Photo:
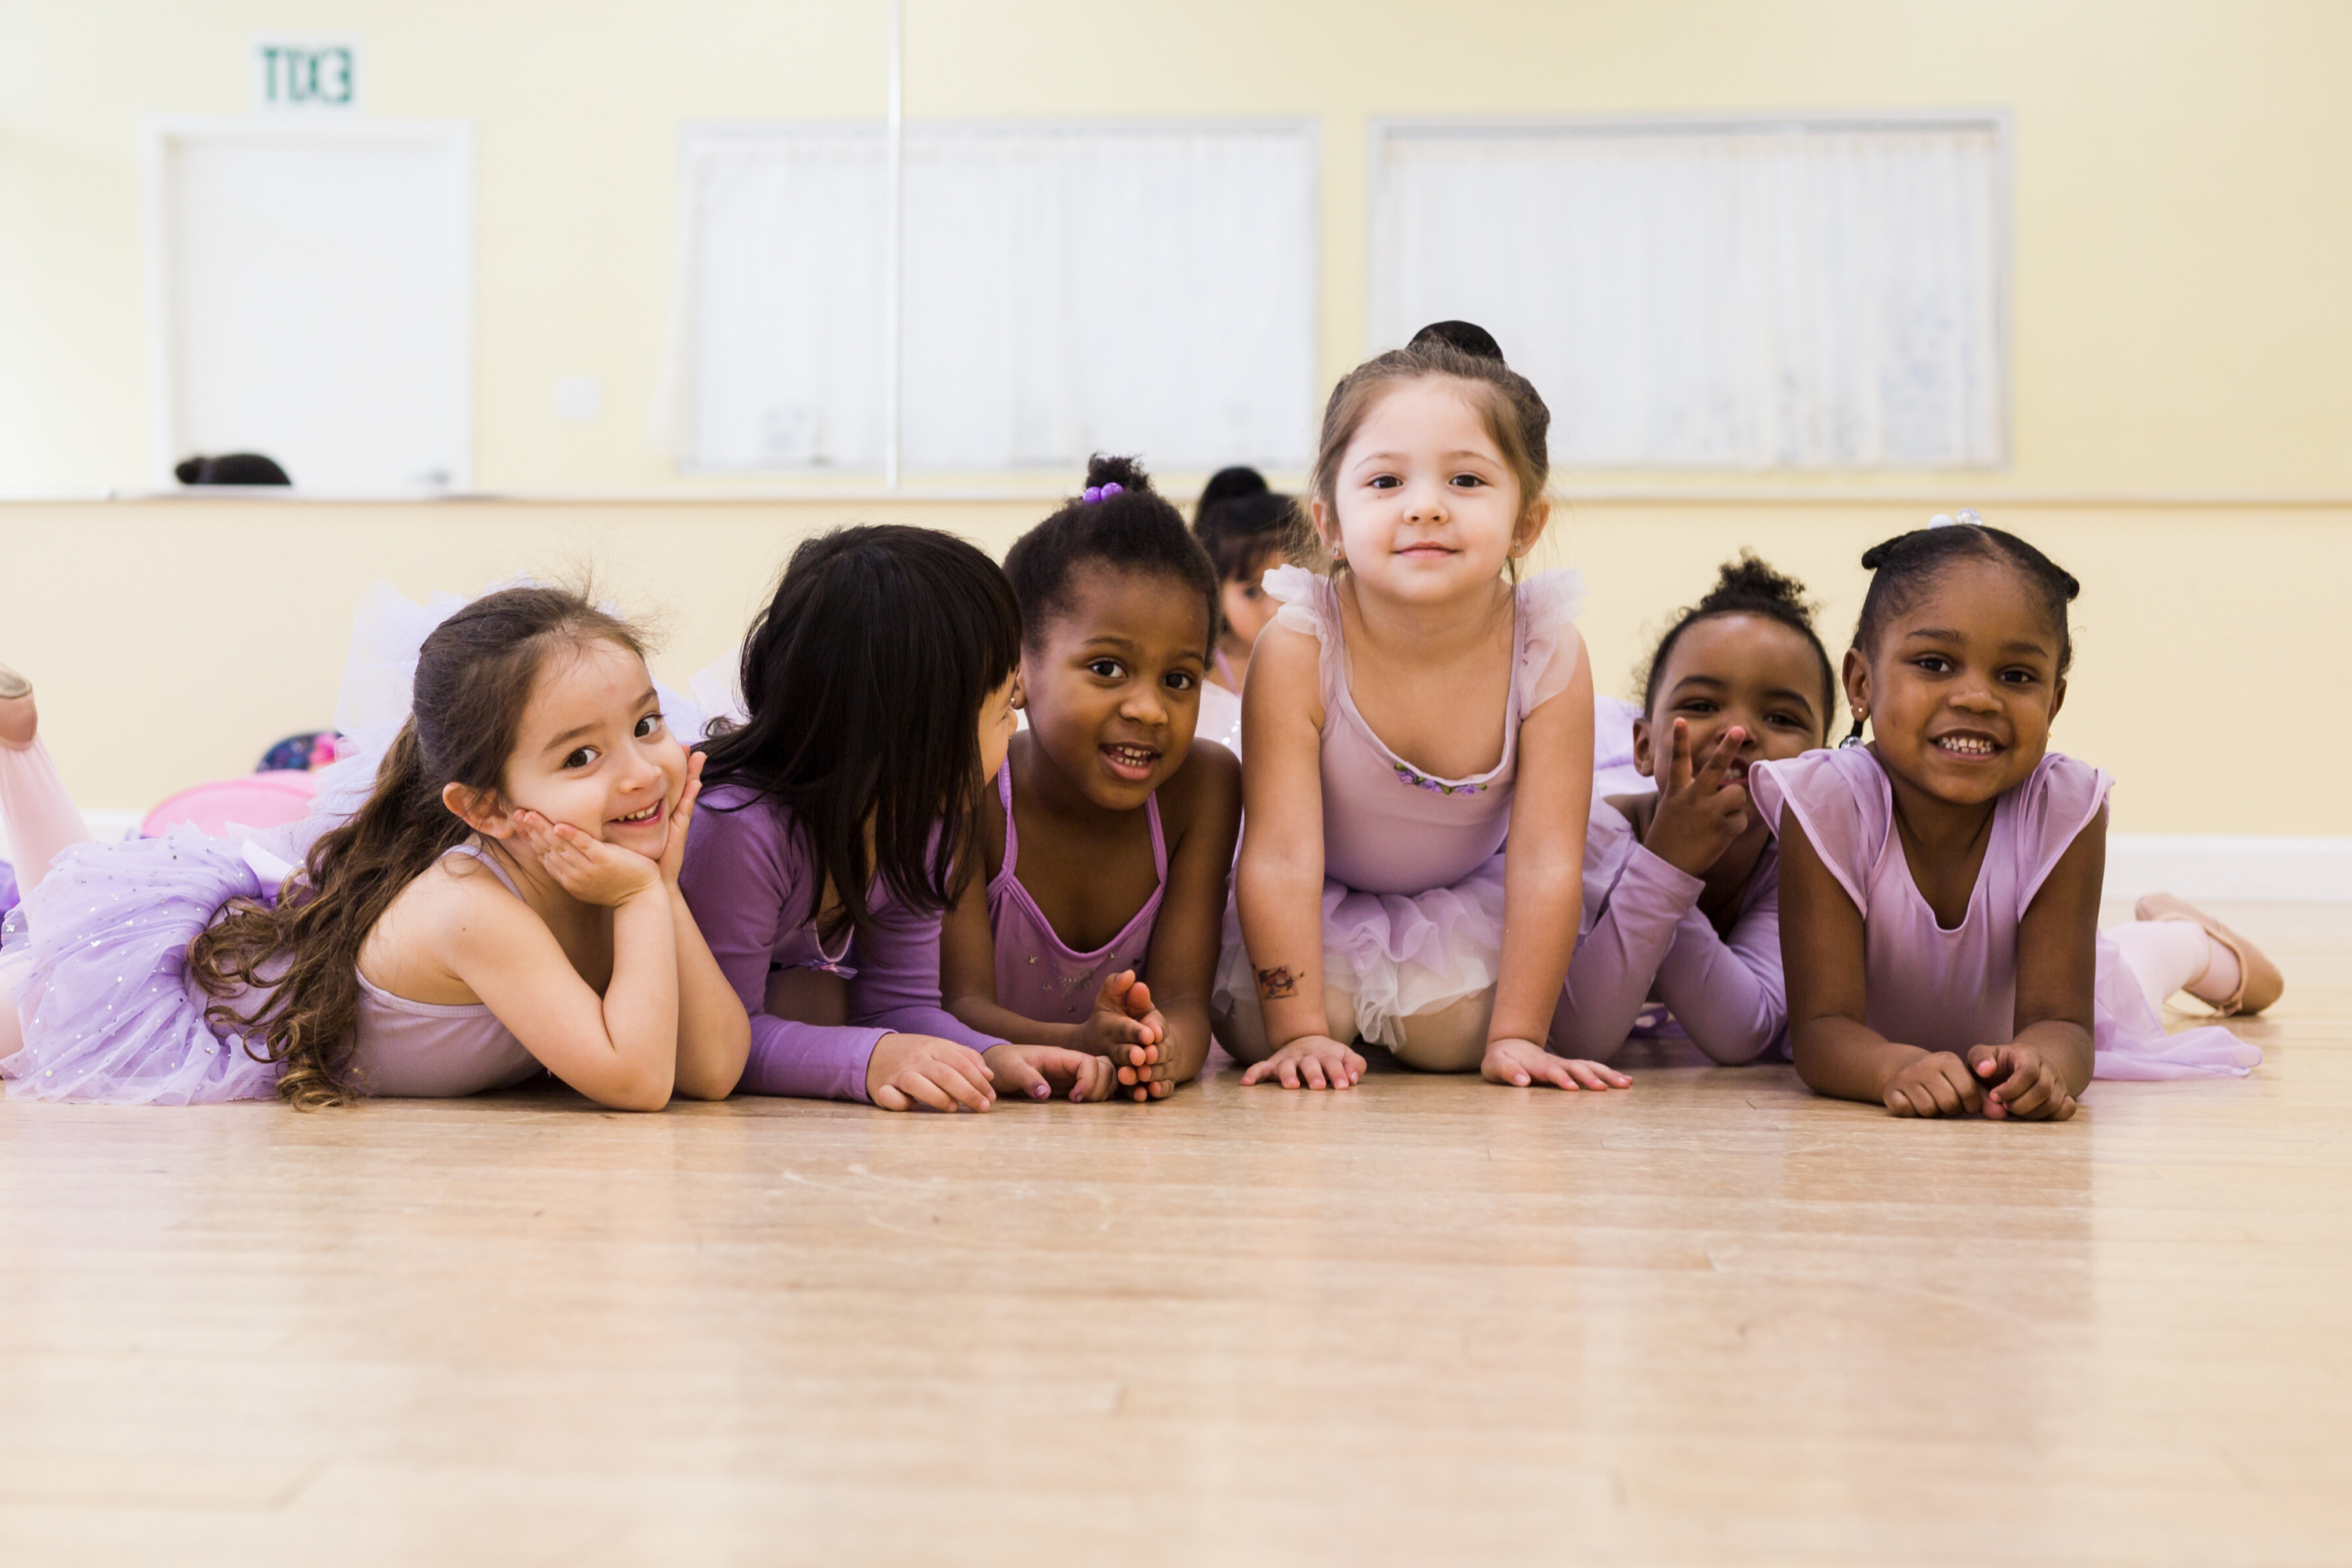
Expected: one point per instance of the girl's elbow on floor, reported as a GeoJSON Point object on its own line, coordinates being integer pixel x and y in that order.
{"type": "Point", "coordinates": [649, 1091]}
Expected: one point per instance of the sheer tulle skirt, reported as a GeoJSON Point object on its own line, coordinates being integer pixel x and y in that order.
{"type": "Point", "coordinates": [1396, 954]}
{"type": "Point", "coordinates": [95, 961]}
{"type": "Point", "coordinates": [2131, 1040]}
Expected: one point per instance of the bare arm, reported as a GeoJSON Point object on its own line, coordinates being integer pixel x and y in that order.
{"type": "Point", "coordinates": [1838, 1054]}
{"type": "Point", "coordinates": [714, 1032]}
{"type": "Point", "coordinates": [2041, 1071]}
{"type": "Point", "coordinates": [619, 1050]}
{"type": "Point", "coordinates": [1279, 878]}
{"type": "Point", "coordinates": [1205, 797]}
{"type": "Point", "coordinates": [1543, 892]}
{"type": "Point", "coordinates": [1543, 861]}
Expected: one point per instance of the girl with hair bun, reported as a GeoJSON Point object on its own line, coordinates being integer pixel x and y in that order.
{"type": "Point", "coordinates": [877, 688]}
{"type": "Point", "coordinates": [1090, 916]}
{"type": "Point", "coordinates": [1940, 885]}
{"type": "Point", "coordinates": [1245, 528]}
{"type": "Point", "coordinates": [1408, 717]}
{"type": "Point", "coordinates": [1682, 885]}
{"type": "Point", "coordinates": [505, 901]}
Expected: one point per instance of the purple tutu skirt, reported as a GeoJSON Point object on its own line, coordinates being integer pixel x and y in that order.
{"type": "Point", "coordinates": [1395, 954]}
{"type": "Point", "coordinates": [95, 960]}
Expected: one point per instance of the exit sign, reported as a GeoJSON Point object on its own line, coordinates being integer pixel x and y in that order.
{"type": "Point", "coordinates": [305, 74]}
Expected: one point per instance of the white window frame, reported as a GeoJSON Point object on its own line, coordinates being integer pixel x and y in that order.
{"type": "Point", "coordinates": [677, 368]}
{"type": "Point", "coordinates": [158, 135]}
{"type": "Point", "coordinates": [1383, 129]}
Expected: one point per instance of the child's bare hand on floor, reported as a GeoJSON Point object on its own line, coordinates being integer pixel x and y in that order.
{"type": "Point", "coordinates": [1524, 1063]}
{"type": "Point", "coordinates": [910, 1070]}
{"type": "Point", "coordinates": [1310, 1061]}
{"type": "Point", "coordinates": [2020, 1082]}
{"type": "Point", "coordinates": [1037, 1072]}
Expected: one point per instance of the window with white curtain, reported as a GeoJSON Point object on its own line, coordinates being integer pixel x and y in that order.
{"type": "Point", "coordinates": [1806, 295]}
{"type": "Point", "coordinates": [1067, 288]}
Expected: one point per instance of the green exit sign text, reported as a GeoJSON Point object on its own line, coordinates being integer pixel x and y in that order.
{"type": "Point", "coordinates": [305, 74]}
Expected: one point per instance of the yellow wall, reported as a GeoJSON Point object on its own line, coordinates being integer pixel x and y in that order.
{"type": "Point", "coordinates": [2193, 631]}
{"type": "Point", "coordinates": [2183, 226]}
{"type": "Point", "coordinates": [2184, 203]}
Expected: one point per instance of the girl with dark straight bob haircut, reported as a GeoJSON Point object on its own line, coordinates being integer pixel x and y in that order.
{"type": "Point", "coordinates": [878, 685]}
{"type": "Point", "coordinates": [864, 620]}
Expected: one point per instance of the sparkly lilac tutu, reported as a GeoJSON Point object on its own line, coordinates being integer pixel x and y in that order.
{"type": "Point", "coordinates": [1397, 954]}
{"type": "Point", "coordinates": [95, 960]}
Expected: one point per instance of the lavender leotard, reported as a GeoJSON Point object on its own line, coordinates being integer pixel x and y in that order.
{"type": "Point", "coordinates": [1413, 897]}
{"type": "Point", "coordinates": [427, 1050]}
{"type": "Point", "coordinates": [1949, 989]}
{"type": "Point", "coordinates": [97, 955]}
{"type": "Point", "coordinates": [749, 876]}
{"type": "Point", "coordinates": [1645, 937]}
{"type": "Point", "coordinates": [1039, 976]}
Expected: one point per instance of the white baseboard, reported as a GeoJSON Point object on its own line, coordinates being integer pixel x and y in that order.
{"type": "Point", "coordinates": [2222, 867]}
{"type": "Point", "coordinates": [2229, 868]}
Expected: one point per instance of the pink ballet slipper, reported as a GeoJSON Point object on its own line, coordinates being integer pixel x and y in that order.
{"type": "Point", "coordinates": [2260, 983]}
{"type": "Point", "coordinates": [19, 721]}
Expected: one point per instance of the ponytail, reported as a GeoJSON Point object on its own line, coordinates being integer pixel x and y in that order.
{"type": "Point", "coordinates": [322, 916]}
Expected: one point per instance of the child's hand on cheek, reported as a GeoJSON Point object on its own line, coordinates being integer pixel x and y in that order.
{"type": "Point", "coordinates": [1700, 811]}
{"type": "Point", "coordinates": [589, 869]}
{"type": "Point", "coordinates": [1937, 1084]}
{"type": "Point", "coordinates": [2021, 1082]}
{"type": "Point", "coordinates": [681, 818]}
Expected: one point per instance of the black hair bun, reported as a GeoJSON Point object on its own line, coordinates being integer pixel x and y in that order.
{"type": "Point", "coordinates": [1875, 557]}
{"type": "Point", "coordinates": [231, 468]}
{"type": "Point", "coordinates": [1127, 473]}
{"type": "Point", "coordinates": [1232, 484]}
{"type": "Point", "coordinates": [1747, 582]}
{"type": "Point", "coordinates": [1467, 336]}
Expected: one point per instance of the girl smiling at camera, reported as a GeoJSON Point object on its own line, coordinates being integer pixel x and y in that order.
{"type": "Point", "coordinates": [1940, 886]}
{"type": "Point", "coordinates": [1406, 718]}
{"type": "Point", "coordinates": [1091, 919]}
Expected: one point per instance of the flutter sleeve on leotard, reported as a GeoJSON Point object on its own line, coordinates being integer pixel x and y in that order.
{"type": "Point", "coordinates": [2054, 806]}
{"type": "Point", "coordinates": [1550, 648]}
{"type": "Point", "coordinates": [1310, 607]}
{"type": "Point", "coordinates": [746, 877]}
{"type": "Point", "coordinates": [1646, 932]}
{"type": "Point", "coordinates": [1839, 798]}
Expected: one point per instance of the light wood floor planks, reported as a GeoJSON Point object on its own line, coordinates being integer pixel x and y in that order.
{"type": "Point", "coordinates": [1712, 1321]}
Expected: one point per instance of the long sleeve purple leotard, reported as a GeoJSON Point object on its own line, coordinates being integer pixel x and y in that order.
{"type": "Point", "coordinates": [1644, 936]}
{"type": "Point", "coordinates": [748, 877]}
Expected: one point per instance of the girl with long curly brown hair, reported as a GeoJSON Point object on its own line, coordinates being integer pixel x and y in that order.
{"type": "Point", "coordinates": [505, 901]}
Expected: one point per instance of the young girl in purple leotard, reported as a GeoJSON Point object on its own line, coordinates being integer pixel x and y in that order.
{"type": "Point", "coordinates": [505, 900]}
{"type": "Point", "coordinates": [1406, 718]}
{"type": "Point", "coordinates": [1682, 885]}
{"type": "Point", "coordinates": [1091, 916]}
{"type": "Point", "coordinates": [1940, 887]}
{"type": "Point", "coordinates": [878, 690]}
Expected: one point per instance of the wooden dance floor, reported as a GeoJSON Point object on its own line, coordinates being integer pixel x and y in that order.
{"type": "Point", "coordinates": [1712, 1321]}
